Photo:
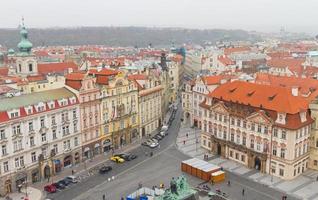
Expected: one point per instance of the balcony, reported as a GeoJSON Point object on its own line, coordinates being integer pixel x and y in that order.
{"type": "Point", "coordinates": [31, 132]}
{"type": "Point", "coordinates": [65, 121]}
{"type": "Point", "coordinates": [43, 129]}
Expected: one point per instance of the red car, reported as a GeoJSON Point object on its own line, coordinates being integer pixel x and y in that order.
{"type": "Point", "coordinates": [50, 188]}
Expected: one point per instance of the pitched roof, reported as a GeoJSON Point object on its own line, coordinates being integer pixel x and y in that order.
{"type": "Point", "coordinates": [104, 71]}
{"type": "Point", "coordinates": [137, 77]}
{"type": "Point", "coordinates": [214, 80]}
{"type": "Point", "coordinates": [4, 71]}
{"type": "Point", "coordinates": [75, 76]}
{"type": "Point", "coordinates": [231, 50]}
{"type": "Point", "coordinates": [226, 60]}
{"type": "Point", "coordinates": [282, 63]}
{"type": "Point", "coordinates": [34, 98]}
{"type": "Point", "coordinates": [268, 97]}
{"type": "Point", "coordinates": [46, 68]}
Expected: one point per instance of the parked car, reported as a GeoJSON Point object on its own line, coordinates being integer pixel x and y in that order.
{"type": "Point", "coordinates": [163, 133]}
{"type": "Point", "coordinates": [158, 137]}
{"type": "Point", "coordinates": [72, 179]}
{"type": "Point", "coordinates": [164, 128]}
{"type": "Point", "coordinates": [154, 144]}
{"type": "Point", "coordinates": [117, 159]}
{"type": "Point", "coordinates": [50, 188]}
{"type": "Point", "coordinates": [64, 182]}
{"type": "Point", "coordinates": [154, 140]}
{"type": "Point", "coordinates": [127, 156]}
{"type": "Point", "coordinates": [59, 186]}
{"type": "Point", "coordinates": [105, 169]}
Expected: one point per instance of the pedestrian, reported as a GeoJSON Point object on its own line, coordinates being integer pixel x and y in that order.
{"type": "Point", "coordinates": [183, 142]}
{"type": "Point", "coordinates": [317, 178]}
{"type": "Point", "coordinates": [243, 192]}
{"type": "Point", "coordinates": [122, 198]}
{"type": "Point", "coordinates": [48, 179]}
{"type": "Point", "coordinates": [153, 187]}
{"type": "Point", "coordinates": [72, 172]}
{"type": "Point", "coordinates": [229, 183]}
{"type": "Point", "coordinates": [187, 135]}
{"type": "Point", "coordinates": [151, 154]}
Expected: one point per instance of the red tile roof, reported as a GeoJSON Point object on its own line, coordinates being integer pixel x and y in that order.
{"type": "Point", "coordinates": [214, 80]}
{"type": "Point", "coordinates": [268, 97]}
{"type": "Point", "coordinates": [137, 77]}
{"type": "Point", "coordinates": [4, 71]}
{"type": "Point", "coordinates": [75, 76]}
{"type": "Point", "coordinates": [231, 50]}
{"type": "Point", "coordinates": [36, 78]}
{"type": "Point", "coordinates": [226, 60]}
{"type": "Point", "coordinates": [46, 68]}
{"type": "Point", "coordinates": [282, 63]}
{"type": "Point", "coordinates": [104, 72]}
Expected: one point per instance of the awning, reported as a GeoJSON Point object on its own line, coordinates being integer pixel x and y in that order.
{"type": "Point", "coordinates": [57, 162]}
{"type": "Point", "coordinates": [107, 143]}
{"type": "Point", "coordinates": [96, 145]}
{"type": "Point", "coordinates": [86, 149]}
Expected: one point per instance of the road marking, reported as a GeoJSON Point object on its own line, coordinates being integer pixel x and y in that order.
{"type": "Point", "coordinates": [91, 191]}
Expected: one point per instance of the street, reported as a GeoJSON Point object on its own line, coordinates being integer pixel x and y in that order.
{"type": "Point", "coordinates": [150, 171]}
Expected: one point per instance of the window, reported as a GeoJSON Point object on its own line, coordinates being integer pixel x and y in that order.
{"type": "Point", "coordinates": [55, 149]}
{"type": "Point", "coordinates": [2, 134]}
{"type": "Point", "coordinates": [44, 151]}
{"type": "Point", "coordinates": [244, 124]}
{"type": "Point", "coordinates": [30, 126]}
{"type": "Point", "coordinates": [16, 130]}
{"type": "Point", "coordinates": [259, 128]}
{"type": "Point", "coordinates": [65, 130]}
{"type": "Point", "coordinates": [32, 141]}
{"type": "Point", "coordinates": [275, 132]}
{"type": "Point", "coordinates": [315, 162]}
{"type": "Point", "coordinates": [282, 153]}
{"type": "Point", "coordinates": [265, 129]}
{"type": "Point", "coordinates": [75, 141]}
{"type": "Point", "coordinates": [238, 122]}
{"type": "Point", "coordinates": [274, 150]}
{"type": "Point", "coordinates": [232, 121]}
{"type": "Point", "coordinates": [236, 156]}
{"type": "Point", "coordinates": [122, 124]}
{"type": "Point", "coordinates": [30, 67]}
{"type": "Point", "coordinates": [14, 114]}
{"type": "Point", "coordinates": [4, 150]}
{"type": "Point", "coordinates": [242, 158]}
{"type": "Point", "coordinates": [258, 146]}
{"type": "Point", "coordinates": [43, 137]}
{"type": "Point", "coordinates": [75, 127]}
{"type": "Point", "coordinates": [134, 119]}
{"type": "Point", "coordinates": [232, 137]}
{"type": "Point", "coordinates": [74, 114]}
{"type": "Point", "coordinates": [54, 134]}
{"type": "Point", "coordinates": [97, 133]}
{"type": "Point", "coordinates": [244, 141]}
{"type": "Point", "coordinates": [53, 120]}
{"type": "Point", "coordinates": [283, 134]}
{"type": "Point", "coordinates": [281, 172]}
{"type": "Point", "coordinates": [67, 144]}
{"type": "Point", "coordinates": [5, 166]}
{"type": "Point", "coordinates": [238, 139]}
{"type": "Point", "coordinates": [231, 153]}
{"type": "Point", "coordinates": [16, 162]}
{"type": "Point", "coordinates": [33, 157]}
{"type": "Point", "coordinates": [252, 143]}
{"type": "Point", "coordinates": [42, 123]}
{"type": "Point", "coordinates": [253, 127]}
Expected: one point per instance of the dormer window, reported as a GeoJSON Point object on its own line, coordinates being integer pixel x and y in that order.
{"type": "Point", "coordinates": [14, 114]}
{"type": "Point", "coordinates": [303, 117]}
{"type": "Point", "coordinates": [63, 102]}
{"type": "Point", "coordinates": [51, 105]}
{"type": "Point", "coordinates": [73, 100]}
{"type": "Point", "coordinates": [281, 118]}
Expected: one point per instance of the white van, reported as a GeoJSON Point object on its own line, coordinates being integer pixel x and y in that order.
{"type": "Point", "coordinates": [164, 128]}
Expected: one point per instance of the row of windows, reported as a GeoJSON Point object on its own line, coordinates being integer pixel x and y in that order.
{"type": "Point", "coordinates": [19, 161]}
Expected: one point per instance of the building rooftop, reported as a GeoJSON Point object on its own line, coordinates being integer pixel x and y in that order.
{"type": "Point", "coordinates": [34, 98]}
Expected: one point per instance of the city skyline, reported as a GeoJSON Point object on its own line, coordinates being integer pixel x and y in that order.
{"type": "Point", "coordinates": [263, 16]}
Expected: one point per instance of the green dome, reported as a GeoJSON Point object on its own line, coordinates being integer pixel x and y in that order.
{"type": "Point", "coordinates": [24, 45]}
{"type": "Point", "coordinates": [10, 51]}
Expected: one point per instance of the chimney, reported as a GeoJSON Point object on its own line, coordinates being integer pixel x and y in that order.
{"type": "Point", "coordinates": [295, 91]}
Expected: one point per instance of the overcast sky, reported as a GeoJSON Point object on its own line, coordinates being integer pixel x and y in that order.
{"type": "Point", "coordinates": [260, 15]}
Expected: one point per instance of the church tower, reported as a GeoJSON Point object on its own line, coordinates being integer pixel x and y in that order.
{"type": "Point", "coordinates": [26, 63]}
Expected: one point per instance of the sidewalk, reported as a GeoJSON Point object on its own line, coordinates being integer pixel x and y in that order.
{"type": "Point", "coordinates": [303, 187]}
{"type": "Point", "coordinates": [33, 194]}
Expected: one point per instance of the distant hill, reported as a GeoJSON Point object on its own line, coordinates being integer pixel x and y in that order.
{"type": "Point", "coordinates": [121, 36]}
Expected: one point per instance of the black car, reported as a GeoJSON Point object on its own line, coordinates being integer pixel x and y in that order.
{"type": "Point", "coordinates": [64, 182]}
{"type": "Point", "coordinates": [158, 137]}
{"type": "Point", "coordinates": [126, 156]}
{"type": "Point", "coordinates": [105, 169]}
{"type": "Point", "coordinates": [59, 186]}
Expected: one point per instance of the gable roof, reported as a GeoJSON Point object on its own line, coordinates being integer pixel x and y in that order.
{"type": "Point", "coordinates": [46, 68]}
{"type": "Point", "coordinates": [268, 97]}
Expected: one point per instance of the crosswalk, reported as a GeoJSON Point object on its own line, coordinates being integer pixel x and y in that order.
{"type": "Point", "coordinates": [304, 186]}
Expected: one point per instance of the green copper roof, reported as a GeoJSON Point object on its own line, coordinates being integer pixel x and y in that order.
{"type": "Point", "coordinates": [24, 45]}
{"type": "Point", "coordinates": [10, 51]}
{"type": "Point", "coordinates": [34, 98]}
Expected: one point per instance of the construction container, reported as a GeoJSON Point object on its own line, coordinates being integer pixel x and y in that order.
{"type": "Point", "coordinates": [199, 168]}
{"type": "Point", "coordinates": [218, 176]}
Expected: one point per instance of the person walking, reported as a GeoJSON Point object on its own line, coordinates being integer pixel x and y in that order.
{"type": "Point", "coordinates": [187, 135]}
{"type": "Point", "coordinates": [243, 192]}
{"type": "Point", "coordinates": [229, 183]}
{"type": "Point", "coordinates": [183, 142]}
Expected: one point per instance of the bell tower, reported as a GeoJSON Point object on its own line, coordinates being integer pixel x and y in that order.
{"type": "Point", "coordinates": [26, 63]}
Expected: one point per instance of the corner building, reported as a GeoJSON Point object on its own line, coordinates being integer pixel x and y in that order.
{"type": "Point", "coordinates": [260, 126]}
